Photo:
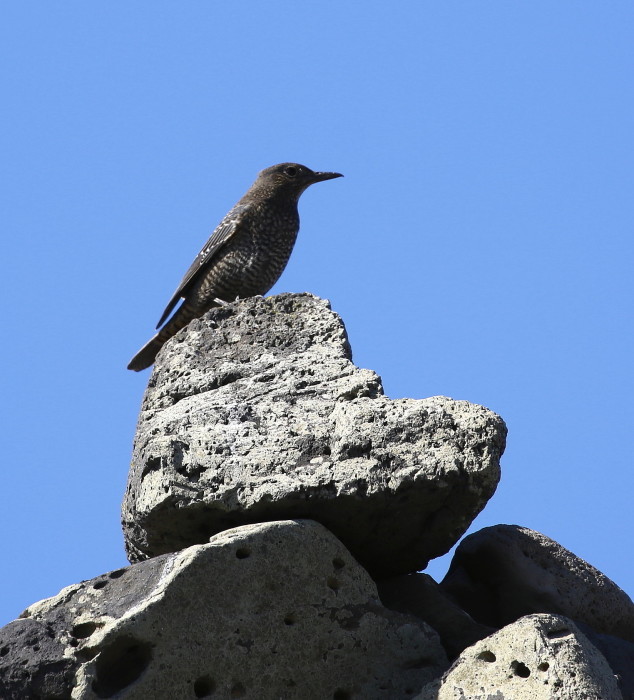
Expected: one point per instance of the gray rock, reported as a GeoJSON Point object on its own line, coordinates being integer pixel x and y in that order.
{"type": "Point", "coordinates": [503, 572]}
{"type": "Point", "coordinates": [539, 657]}
{"type": "Point", "coordinates": [420, 595]}
{"type": "Point", "coordinates": [32, 662]}
{"type": "Point", "coordinates": [619, 654]}
{"type": "Point", "coordinates": [255, 412]}
{"type": "Point", "coordinates": [276, 610]}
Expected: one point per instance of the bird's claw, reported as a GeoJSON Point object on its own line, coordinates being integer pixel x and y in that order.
{"type": "Point", "coordinates": [222, 302]}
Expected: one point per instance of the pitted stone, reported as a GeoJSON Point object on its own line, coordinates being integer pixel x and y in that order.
{"type": "Point", "coordinates": [276, 610]}
{"type": "Point", "coordinates": [255, 412]}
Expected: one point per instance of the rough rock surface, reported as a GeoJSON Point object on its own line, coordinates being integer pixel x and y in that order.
{"type": "Point", "coordinates": [277, 610]}
{"type": "Point", "coordinates": [539, 657]}
{"type": "Point", "coordinates": [504, 572]}
{"type": "Point", "coordinates": [255, 412]}
{"type": "Point", "coordinates": [32, 662]}
{"type": "Point", "coordinates": [420, 595]}
{"type": "Point", "coordinates": [619, 654]}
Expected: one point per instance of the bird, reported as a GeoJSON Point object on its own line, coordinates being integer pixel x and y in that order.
{"type": "Point", "coordinates": [244, 256]}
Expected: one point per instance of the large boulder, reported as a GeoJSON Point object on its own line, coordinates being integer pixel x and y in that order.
{"type": "Point", "coordinates": [539, 657]}
{"type": "Point", "coordinates": [276, 610]}
{"type": "Point", "coordinates": [504, 572]}
{"type": "Point", "coordinates": [255, 412]}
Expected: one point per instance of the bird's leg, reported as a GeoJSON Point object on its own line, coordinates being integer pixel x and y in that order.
{"type": "Point", "coordinates": [222, 302]}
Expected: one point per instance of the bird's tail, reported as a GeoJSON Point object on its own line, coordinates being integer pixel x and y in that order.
{"type": "Point", "coordinates": [147, 354]}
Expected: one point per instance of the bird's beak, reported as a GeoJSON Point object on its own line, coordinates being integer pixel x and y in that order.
{"type": "Point", "coordinates": [319, 177]}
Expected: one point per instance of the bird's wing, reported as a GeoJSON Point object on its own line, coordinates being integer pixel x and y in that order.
{"type": "Point", "coordinates": [223, 232]}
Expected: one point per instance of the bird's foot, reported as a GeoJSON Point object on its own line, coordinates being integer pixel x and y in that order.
{"type": "Point", "coordinates": [222, 302]}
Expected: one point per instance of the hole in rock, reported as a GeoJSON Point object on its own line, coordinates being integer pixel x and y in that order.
{"type": "Point", "coordinates": [341, 694]}
{"type": "Point", "coordinates": [4, 651]}
{"type": "Point", "coordinates": [557, 633]}
{"type": "Point", "coordinates": [116, 574]}
{"type": "Point", "coordinates": [333, 583]}
{"type": "Point", "coordinates": [544, 666]}
{"type": "Point", "coordinates": [338, 563]}
{"type": "Point", "coordinates": [83, 630]}
{"type": "Point", "coordinates": [100, 584]}
{"type": "Point", "coordinates": [87, 653]}
{"type": "Point", "coordinates": [289, 619]}
{"type": "Point", "coordinates": [520, 669]}
{"type": "Point", "coordinates": [243, 553]}
{"type": "Point", "coordinates": [204, 687]}
{"type": "Point", "coordinates": [119, 664]}
{"type": "Point", "coordinates": [487, 656]}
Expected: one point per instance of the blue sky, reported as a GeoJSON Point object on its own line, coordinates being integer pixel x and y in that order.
{"type": "Point", "coordinates": [479, 246]}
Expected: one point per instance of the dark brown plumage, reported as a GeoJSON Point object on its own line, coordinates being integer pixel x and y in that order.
{"type": "Point", "coordinates": [244, 256]}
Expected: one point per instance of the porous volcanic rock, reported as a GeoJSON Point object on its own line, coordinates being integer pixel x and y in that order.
{"type": "Point", "coordinates": [255, 412]}
{"type": "Point", "coordinates": [619, 653]}
{"type": "Point", "coordinates": [276, 610]}
{"type": "Point", "coordinates": [539, 657]}
{"type": "Point", "coordinates": [504, 572]}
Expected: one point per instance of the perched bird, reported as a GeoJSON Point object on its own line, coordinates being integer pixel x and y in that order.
{"type": "Point", "coordinates": [244, 256]}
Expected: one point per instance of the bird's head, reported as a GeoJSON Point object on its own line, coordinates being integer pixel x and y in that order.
{"type": "Point", "coordinates": [290, 178]}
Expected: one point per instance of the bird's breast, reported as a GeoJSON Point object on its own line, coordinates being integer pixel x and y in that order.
{"type": "Point", "coordinates": [252, 261]}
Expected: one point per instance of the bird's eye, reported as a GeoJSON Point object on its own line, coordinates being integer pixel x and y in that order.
{"type": "Point", "coordinates": [291, 171]}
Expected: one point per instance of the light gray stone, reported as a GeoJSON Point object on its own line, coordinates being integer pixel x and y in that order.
{"type": "Point", "coordinates": [503, 572]}
{"type": "Point", "coordinates": [255, 412]}
{"type": "Point", "coordinates": [268, 611]}
{"type": "Point", "coordinates": [539, 657]}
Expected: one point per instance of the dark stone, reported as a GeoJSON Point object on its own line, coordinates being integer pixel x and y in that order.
{"type": "Point", "coordinates": [504, 572]}
{"type": "Point", "coordinates": [421, 596]}
{"type": "Point", "coordinates": [32, 662]}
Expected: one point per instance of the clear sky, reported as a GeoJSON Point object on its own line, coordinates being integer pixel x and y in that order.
{"type": "Point", "coordinates": [479, 246]}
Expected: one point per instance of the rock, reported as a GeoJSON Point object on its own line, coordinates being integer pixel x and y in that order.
{"type": "Point", "coordinates": [275, 610]}
{"type": "Point", "coordinates": [539, 657]}
{"type": "Point", "coordinates": [421, 596]}
{"type": "Point", "coordinates": [255, 412]}
{"type": "Point", "coordinates": [504, 572]}
{"type": "Point", "coordinates": [32, 662]}
{"type": "Point", "coordinates": [619, 654]}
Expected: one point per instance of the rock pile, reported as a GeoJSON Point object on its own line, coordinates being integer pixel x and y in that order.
{"type": "Point", "coordinates": [277, 510]}
{"type": "Point", "coordinates": [258, 414]}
